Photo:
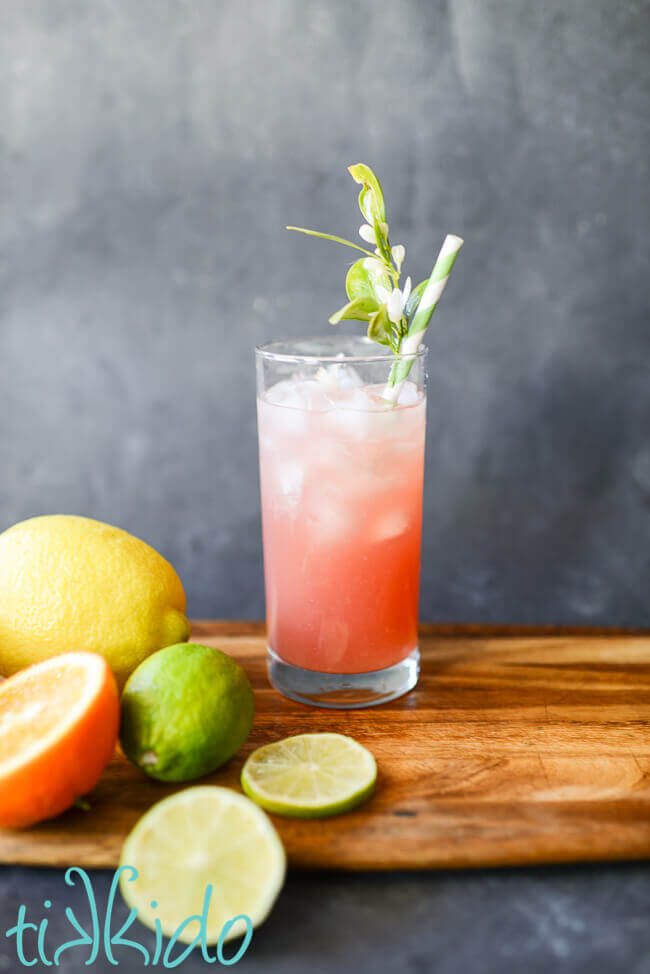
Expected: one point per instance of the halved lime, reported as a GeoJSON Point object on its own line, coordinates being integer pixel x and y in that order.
{"type": "Point", "coordinates": [198, 837]}
{"type": "Point", "coordinates": [310, 775]}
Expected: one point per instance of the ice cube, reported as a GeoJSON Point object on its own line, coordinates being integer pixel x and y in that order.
{"type": "Point", "coordinates": [409, 394]}
{"type": "Point", "coordinates": [300, 394]}
{"type": "Point", "coordinates": [390, 525]}
{"type": "Point", "coordinates": [333, 639]}
{"type": "Point", "coordinates": [289, 477]}
{"type": "Point", "coordinates": [328, 517]}
{"type": "Point", "coordinates": [315, 395]}
{"type": "Point", "coordinates": [347, 377]}
{"type": "Point", "coordinates": [352, 415]}
{"type": "Point", "coordinates": [278, 422]}
{"type": "Point", "coordinates": [359, 400]}
{"type": "Point", "coordinates": [351, 425]}
{"type": "Point", "coordinates": [330, 525]}
{"type": "Point", "coordinates": [284, 394]}
{"type": "Point", "coordinates": [337, 376]}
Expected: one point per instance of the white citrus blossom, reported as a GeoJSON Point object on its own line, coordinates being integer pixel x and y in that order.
{"type": "Point", "coordinates": [398, 253]}
{"type": "Point", "coordinates": [374, 266]}
{"type": "Point", "coordinates": [367, 233]}
{"type": "Point", "coordinates": [395, 300]}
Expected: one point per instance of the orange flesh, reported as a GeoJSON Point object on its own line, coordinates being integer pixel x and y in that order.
{"type": "Point", "coordinates": [58, 728]}
{"type": "Point", "coordinates": [33, 707]}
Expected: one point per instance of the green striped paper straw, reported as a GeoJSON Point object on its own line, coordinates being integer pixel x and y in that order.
{"type": "Point", "coordinates": [426, 307]}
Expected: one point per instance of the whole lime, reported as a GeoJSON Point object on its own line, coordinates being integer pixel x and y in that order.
{"type": "Point", "coordinates": [185, 711]}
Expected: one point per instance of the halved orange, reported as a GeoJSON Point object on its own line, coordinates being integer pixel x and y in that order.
{"type": "Point", "coordinates": [58, 729]}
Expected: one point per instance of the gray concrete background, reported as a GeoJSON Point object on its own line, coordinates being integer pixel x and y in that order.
{"type": "Point", "coordinates": [151, 154]}
{"type": "Point", "coordinates": [580, 920]}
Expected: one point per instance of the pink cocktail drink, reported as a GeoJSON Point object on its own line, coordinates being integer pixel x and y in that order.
{"type": "Point", "coordinates": [341, 476]}
{"type": "Point", "coordinates": [341, 426]}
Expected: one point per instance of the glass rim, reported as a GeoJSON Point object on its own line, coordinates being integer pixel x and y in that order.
{"type": "Point", "coordinates": [266, 350]}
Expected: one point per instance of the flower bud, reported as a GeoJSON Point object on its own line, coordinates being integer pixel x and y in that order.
{"type": "Point", "coordinates": [394, 306]}
{"type": "Point", "coordinates": [398, 253]}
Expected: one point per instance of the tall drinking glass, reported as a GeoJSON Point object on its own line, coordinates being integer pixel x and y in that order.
{"type": "Point", "coordinates": [341, 471]}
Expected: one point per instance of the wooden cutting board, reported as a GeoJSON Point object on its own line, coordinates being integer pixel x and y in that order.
{"type": "Point", "coordinates": [513, 749]}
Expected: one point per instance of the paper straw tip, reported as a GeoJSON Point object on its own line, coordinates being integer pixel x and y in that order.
{"type": "Point", "coordinates": [451, 245]}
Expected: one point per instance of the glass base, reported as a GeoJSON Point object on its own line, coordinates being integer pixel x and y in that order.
{"type": "Point", "coordinates": [343, 691]}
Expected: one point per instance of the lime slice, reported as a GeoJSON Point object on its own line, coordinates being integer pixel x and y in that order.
{"type": "Point", "coordinates": [201, 836]}
{"type": "Point", "coordinates": [310, 775]}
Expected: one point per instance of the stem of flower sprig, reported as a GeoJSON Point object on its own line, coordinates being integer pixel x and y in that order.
{"type": "Point", "coordinates": [329, 236]}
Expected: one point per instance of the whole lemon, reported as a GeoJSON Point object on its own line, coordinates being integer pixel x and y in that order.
{"type": "Point", "coordinates": [185, 711]}
{"type": "Point", "coordinates": [71, 583]}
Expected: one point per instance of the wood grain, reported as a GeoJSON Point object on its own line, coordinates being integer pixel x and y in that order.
{"type": "Point", "coordinates": [513, 749]}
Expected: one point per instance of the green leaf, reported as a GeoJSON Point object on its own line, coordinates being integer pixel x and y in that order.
{"type": "Point", "coordinates": [360, 309]}
{"type": "Point", "coordinates": [329, 236]}
{"type": "Point", "coordinates": [359, 282]}
{"type": "Point", "coordinates": [414, 299]}
{"type": "Point", "coordinates": [382, 241]}
{"type": "Point", "coordinates": [379, 329]}
{"type": "Point", "coordinates": [371, 197]}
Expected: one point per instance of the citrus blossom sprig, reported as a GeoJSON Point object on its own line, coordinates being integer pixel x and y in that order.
{"type": "Point", "coordinates": [372, 282]}
{"type": "Point", "coordinates": [393, 313]}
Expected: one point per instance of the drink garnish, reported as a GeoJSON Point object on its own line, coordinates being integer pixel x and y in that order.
{"type": "Point", "coordinates": [397, 316]}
